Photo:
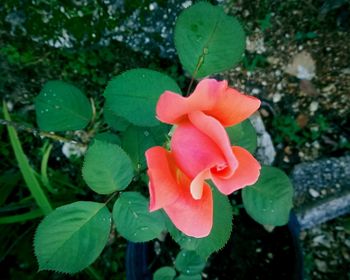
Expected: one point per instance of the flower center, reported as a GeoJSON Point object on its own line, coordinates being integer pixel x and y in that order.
{"type": "Point", "coordinates": [221, 166]}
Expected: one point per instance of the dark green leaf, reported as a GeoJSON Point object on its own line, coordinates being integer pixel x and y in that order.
{"type": "Point", "coordinates": [108, 137]}
{"type": "Point", "coordinates": [114, 121]}
{"type": "Point", "coordinates": [206, 36]}
{"type": "Point", "coordinates": [133, 219]}
{"type": "Point", "coordinates": [269, 201]}
{"type": "Point", "coordinates": [71, 237]}
{"type": "Point", "coordinates": [244, 135]}
{"type": "Point", "coordinates": [189, 277]}
{"type": "Point", "coordinates": [164, 273]}
{"type": "Point", "coordinates": [107, 168]}
{"type": "Point", "coordinates": [61, 106]}
{"type": "Point", "coordinates": [189, 263]}
{"type": "Point", "coordinates": [133, 95]}
{"type": "Point", "coordinates": [136, 140]}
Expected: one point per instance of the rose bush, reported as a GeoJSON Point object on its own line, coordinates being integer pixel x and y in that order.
{"type": "Point", "coordinates": [200, 150]}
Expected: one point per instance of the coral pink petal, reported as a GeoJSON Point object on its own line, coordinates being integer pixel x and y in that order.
{"type": "Point", "coordinates": [163, 187]}
{"type": "Point", "coordinates": [172, 108]}
{"type": "Point", "coordinates": [246, 174]}
{"type": "Point", "coordinates": [234, 107]}
{"type": "Point", "coordinates": [193, 150]}
{"type": "Point", "coordinates": [193, 217]}
{"type": "Point", "coordinates": [216, 132]}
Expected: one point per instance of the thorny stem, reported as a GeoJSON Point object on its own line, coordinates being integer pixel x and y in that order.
{"type": "Point", "coordinates": [39, 133]}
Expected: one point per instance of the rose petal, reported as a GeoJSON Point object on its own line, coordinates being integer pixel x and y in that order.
{"type": "Point", "coordinates": [216, 132]}
{"type": "Point", "coordinates": [246, 174]}
{"type": "Point", "coordinates": [198, 183]}
{"type": "Point", "coordinates": [193, 150]}
{"type": "Point", "coordinates": [193, 217]}
{"type": "Point", "coordinates": [172, 108]}
{"type": "Point", "coordinates": [163, 187]}
{"type": "Point", "coordinates": [212, 97]}
{"type": "Point", "coordinates": [233, 107]}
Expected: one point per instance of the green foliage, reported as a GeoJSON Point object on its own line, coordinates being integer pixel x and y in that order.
{"type": "Point", "coordinates": [269, 200]}
{"type": "Point", "coordinates": [207, 40]}
{"type": "Point", "coordinates": [72, 236]}
{"type": "Point", "coordinates": [301, 36]}
{"type": "Point", "coordinates": [164, 273]}
{"type": "Point", "coordinates": [265, 23]}
{"type": "Point", "coordinates": [134, 221]}
{"type": "Point", "coordinates": [288, 129]}
{"type": "Point", "coordinates": [244, 135]}
{"type": "Point", "coordinates": [189, 277]}
{"type": "Point", "coordinates": [27, 171]}
{"type": "Point", "coordinates": [133, 95]}
{"type": "Point", "coordinates": [219, 235]}
{"type": "Point", "coordinates": [107, 168]}
{"type": "Point", "coordinates": [108, 137]}
{"type": "Point", "coordinates": [189, 263]}
{"type": "Point", "coordinates": [136, 140]}
{"type": "Point", "coordinates": [114, 121]}
{"type": "Point", "coordinates": [252, 61]}
{"type": "Point", "coordinates": [61, 106]}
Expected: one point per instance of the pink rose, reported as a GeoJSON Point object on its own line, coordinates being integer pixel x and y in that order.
{"type": "Point", "coordinates": [201, 149]}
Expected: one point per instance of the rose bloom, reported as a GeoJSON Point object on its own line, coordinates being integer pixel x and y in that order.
{"type": "Point", "coordinates": [200, 150]}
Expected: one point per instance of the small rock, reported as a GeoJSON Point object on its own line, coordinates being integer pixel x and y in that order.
{"type": "Point", "coordinates": [277, 97]}
{"type": "Point", "coordinates": [314, 193]}
{"type": "Point", "coordinates": [313, 106]}
{"type": "Point", "coordinates": [302, 66]}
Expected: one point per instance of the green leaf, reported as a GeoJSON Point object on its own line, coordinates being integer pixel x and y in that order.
{"type": "Point", "coordinates": [30, 215]}
{"type": "Point", "coordinates": [133, 95]}
{"type": "Point", "coordinates": [107, 168]}
{"type": "Point", "coordinates": [189, 263]}
{"type": "Point", "coordinates": [61, 106]}
{"type": "Point", "coordinates": [269, 200]}
{"type": "Point", "coordinates": [27, 171]}
{"type": "Point", "coordinates": [115, 122]}
{"type": "Point", "coordinates": [133, 219]}
{"type": "Point", "coordinates": [207, 38]}
{"type": "Point", "coordinates": [244, 135]}
{"type": "Point", "coordinates": [219, 235]}
{"type": "Point", "coordinates": [71, 237]}
{"type": "Point", "coordinates": [136, 140]}
{"type": "Point", "coordinates": [108, 137]}
{"type": "Point", "coordinates": [189, 277]}
{"type": "Point", "coordinates": [164, 273]}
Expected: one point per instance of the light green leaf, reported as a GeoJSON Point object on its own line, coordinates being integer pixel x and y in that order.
{"type": "Point", "coordinates": [133, 95]}
{"type": "Point", "coordinates": [189, 263]}
{"type": "Point", "coordinates": [164, 273]}
{"type": "Point", "coordinates": [107, 168]}
{"type": "Point", "coordinates": [244, 135]}
{"type": "Point", "coordinates": [71, 237]}
{"type": "Point", "coordinates": [61, 106]}
{"type": "Point", "coordinates": [136, 140]}
{"type": "Point", "coordinates": [205, 36]}
{"type": "Point", "coordinates": [219, 235]}
{"type": "Point", "coordinates": [269, 201]}
{"type": "Point", "coordinates": [133, 219]}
